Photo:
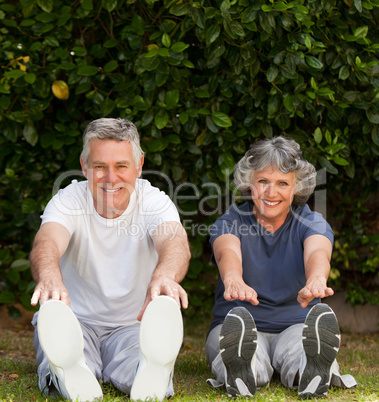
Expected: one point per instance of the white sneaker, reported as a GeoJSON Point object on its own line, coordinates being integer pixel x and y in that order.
{"type": "Point", "coordinates": [161, 336]}
{"type": "Point", "coordinates": [61, 338]}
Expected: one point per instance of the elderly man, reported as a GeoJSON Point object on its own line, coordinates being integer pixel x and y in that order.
{"type": "Point", "coordinates": [110, 252]}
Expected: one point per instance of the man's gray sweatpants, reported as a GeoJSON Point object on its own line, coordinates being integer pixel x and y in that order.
{"type": "Point", "coordinates": [112, 354]}
{"type": "Point", "coordinates": [281, 352]}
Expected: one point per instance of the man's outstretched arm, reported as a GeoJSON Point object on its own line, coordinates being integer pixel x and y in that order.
{"type": "Point", "coordinates": [171, 243]}
{"type": "Point", "coordinates": [49, 245]}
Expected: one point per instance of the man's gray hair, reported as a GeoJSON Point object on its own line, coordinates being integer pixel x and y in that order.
{"type": "Point", "coordinates": [281, 153]}
{"type": "Point", "coordinates": [112, 129]}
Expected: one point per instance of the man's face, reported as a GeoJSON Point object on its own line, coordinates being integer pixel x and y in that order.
{"type": "Point", "coordinates": [111, 174]}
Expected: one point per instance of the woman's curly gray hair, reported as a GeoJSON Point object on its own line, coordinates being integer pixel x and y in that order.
{"type": "Point", "coordinates": [282, 153]}
{"type": "Point", "coordinates": [112, 129]}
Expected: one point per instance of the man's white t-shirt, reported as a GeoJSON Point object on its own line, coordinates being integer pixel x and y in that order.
{"type": "Point", "coordinates": [108, 264]}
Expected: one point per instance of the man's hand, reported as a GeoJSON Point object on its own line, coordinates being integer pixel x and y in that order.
{"type": "Point", "coordinates": [314, 288]}
{"type": "Point", "coordinates": [50, 287]}
{"type": "Point", "coordinates": [238, 290]}
{"type": "Point", "coordinates": [164, 286]}
{"type": "Point", "coordinates": [49, 245]}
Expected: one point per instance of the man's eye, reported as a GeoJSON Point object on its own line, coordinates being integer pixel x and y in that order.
{"type": "Point", "coordinates": [99, 167]}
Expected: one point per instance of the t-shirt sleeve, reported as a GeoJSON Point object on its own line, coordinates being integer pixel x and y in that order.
{"type": "Point", "coordinates": [226, 224]}
{"type": "Point", "coordinates": [156, 208]}
{"type": "Point", "coordinates": [313, 223]}
{"type": "Point", "coordinates": [63, 209]}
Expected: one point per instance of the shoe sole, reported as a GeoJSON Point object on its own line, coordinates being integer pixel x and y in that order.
{"type": "Point", "coordinates": [238, 343]}
{"type": "Point", "coordinates": [161, 337]}
{"type": "Point", "coordinates": [61, 338]}
{"type": "Point", "coordinates": [321, 342]}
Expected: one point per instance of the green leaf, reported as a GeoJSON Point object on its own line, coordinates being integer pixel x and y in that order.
{"type": "Point", "coordinates": [361, 32]}
{"type": "Point", "coordinates": [280, 6]}
{"type": "Point", "coordinates": [20, 265]}
{"type": "Point", "coordinates": [28, 206]}
{"type": "Point", "coordinates": [87, 5]}
{"type": "Point", "coordinates": [344, 72]}
{"type": "Point", "coordinates": [107, 106]}
{"type": "Point", "coordinates": [172, 98]}
{"type": "Point", "coordinates": [83, 88]}
{"type": "Point", "coordinates": [157, 145]}
{"type": "Point", "coordinates": [180, 9]}
{"type": "Point", "coordinates": [7, 297]}
{"type": "Point", "coordinates": [272, 73]}
{"type": "Point", "coordinates": [317, 135]}
{"type": "Point", "coordinates": [161, 119]}
{"type": "Point", "coordinates": [193, 149]}
{"type": "Point", "coordinates": [327, 165]}
{"type": "Point", "coordinates": [30, 78]}
{"type": "Point", "coordinates": [46, 5]}
{"type": "Point", "coordinates": [30, 134]}
{"type": "Point", "coordinates": [288, 102]}
{"type": "Point", "coordinates": [14, 74]}
{"type": "Point", "coordinates": [358, 5]}
{"type": "Point", "coordinates": [110, 66]}
{"type": "Point", "coordinates": [375, 135]}
{"type": "Point", "coordinates": [202, 94]}
{"type": "Point", "coordinates": [166, 40]}
{"type": "Point", "coordinates": [324, 91]}
{"type": "Point", "coordinates": [51, 41]}
{"type": "Point", "coordinates": [183, 117]}
{"type": "Point", "coordinates": [87, 71]}
{"type": "Point", "coordinates": [221, 119]}
{"type": "Point", "coordinates": [109, 5]}
{"type": "Point", "coordinates": [212, 33]}
{"type": "Point", "coordinates": [340, 161]}
{"type": "Point", "coordinates": [5, 102]}
{"type": "Point", "coordinates": [313, 62]}
{"type": "Point", "coordinates": [67, 66]}
{"type": "Point", "coordinates": [179, 47]}
{"type": "Point", "coordinates": [148, 117]}
{"type": "Point", "coordinates": [373, 115]}
{"type": "Point", "coordinates": [188, 63]}
{"type": "Point", "coordinates": [226, 159]}
{"type": "Point", "coordinates": [111, 43]}
{"type": "Point", "coordinates": [173, 139]}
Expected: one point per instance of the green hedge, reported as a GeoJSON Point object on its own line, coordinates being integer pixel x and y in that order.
{"type": "Point", "coordinates": [201, 80]}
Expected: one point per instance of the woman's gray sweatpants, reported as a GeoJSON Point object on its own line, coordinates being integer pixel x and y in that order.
{"type": "Point", "coordinates": [112, 354]}
{"type": "Point", "coordinates": [281, 352]}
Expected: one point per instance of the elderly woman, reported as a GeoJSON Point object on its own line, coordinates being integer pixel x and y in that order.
{"type": "Point", "coordinates": [273, 255]}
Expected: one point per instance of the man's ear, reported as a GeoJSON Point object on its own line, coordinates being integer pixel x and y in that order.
{"type": "Point", "coordinates": [84, 169]}
{"type": "Point", "coordinates": [140, 164]}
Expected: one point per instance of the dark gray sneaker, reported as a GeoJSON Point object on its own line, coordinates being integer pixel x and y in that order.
{"type": "Point", "coordinates": [321, 342]}
{"type": "Point", "coordinates": [238, 343]}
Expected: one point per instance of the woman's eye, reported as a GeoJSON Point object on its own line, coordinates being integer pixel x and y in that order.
{"type": "Point", "coordinates": [262, 181]}
{"type": "Point", "coordinates": [283, 183]}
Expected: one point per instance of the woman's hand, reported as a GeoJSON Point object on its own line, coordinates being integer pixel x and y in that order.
{"type": "Point", "coordinates": [316, 287]}
{"type": "Point", "coordinates": [238, 290]}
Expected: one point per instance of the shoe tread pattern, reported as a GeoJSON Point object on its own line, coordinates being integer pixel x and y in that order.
{"type": "Point", "coordinates": [321, 341]}
{"type": "Point", "coordinates": [238, 345]}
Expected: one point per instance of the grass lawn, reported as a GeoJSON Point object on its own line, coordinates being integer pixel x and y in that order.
{"type": "Point", "coordinates": [359, 356]}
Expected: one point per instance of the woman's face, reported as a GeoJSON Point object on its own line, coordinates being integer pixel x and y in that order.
{"type": "Point", "coordinates": [272, 192]}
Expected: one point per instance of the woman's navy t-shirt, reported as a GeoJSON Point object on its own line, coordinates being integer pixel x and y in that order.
{"type": "Point", "coordinates": [272, 264]}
